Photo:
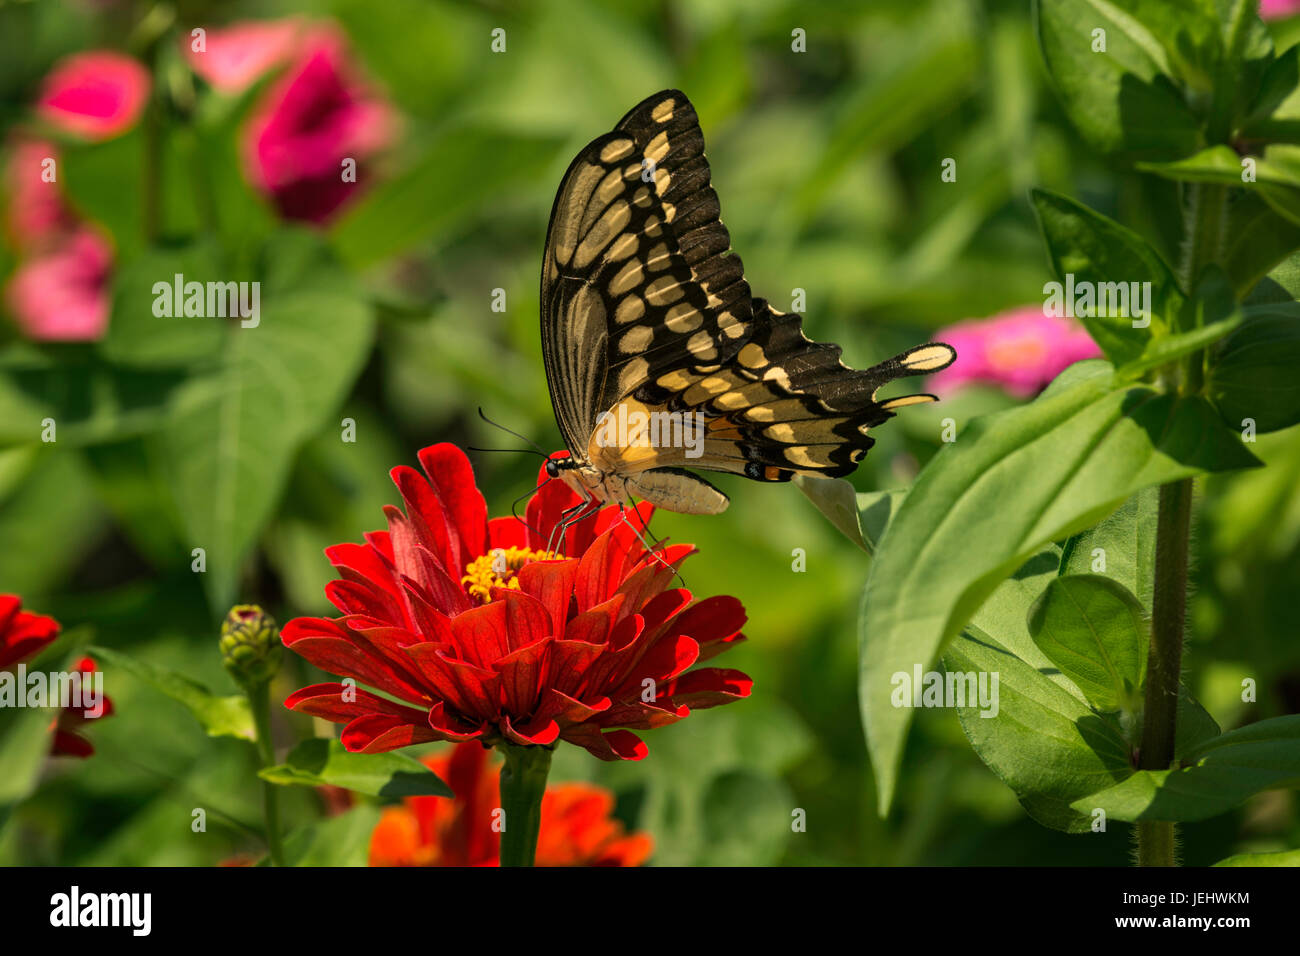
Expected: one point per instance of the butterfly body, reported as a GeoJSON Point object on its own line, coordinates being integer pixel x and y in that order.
{"type": "Point", "coordinates": [657, 356]}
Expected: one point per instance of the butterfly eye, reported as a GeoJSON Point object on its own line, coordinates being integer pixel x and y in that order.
{"type": "Point", "coordinates": [552, 468]}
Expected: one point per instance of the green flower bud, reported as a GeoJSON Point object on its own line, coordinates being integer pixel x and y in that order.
{"type": "Point", "coordinates": [250, 645]}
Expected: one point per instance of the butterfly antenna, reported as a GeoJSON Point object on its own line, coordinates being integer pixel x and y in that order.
{"type": "Point", "coordinates": [514, 505]}
{"type": "Point", "coordinates": [524, 438]}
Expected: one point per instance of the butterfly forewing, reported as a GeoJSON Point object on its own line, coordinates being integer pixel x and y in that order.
{"type": "Point", "coordinates": [636, 277]}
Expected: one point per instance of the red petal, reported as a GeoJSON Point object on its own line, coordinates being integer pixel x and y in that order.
{"type": "Point", "coordinates": [551, 582]}
{"type": "Point", "coordinates": [377, 733]}
{"type": "Point", "coordinates": [452, 478]}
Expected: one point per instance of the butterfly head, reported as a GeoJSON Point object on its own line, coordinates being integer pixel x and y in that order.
{"type": "Point", "coordinates": [557, 466]}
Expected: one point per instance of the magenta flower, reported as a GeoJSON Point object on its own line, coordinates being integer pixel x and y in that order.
{"type": "Point", "coordinates": [1021, 351]}
{"type": "Point", "coordinates": [96, 95]}
{"type": "Point", "coordinates": [316, 116]}
{"type": "Point", "coordinates": [63, 294]}
{"type": "Point", "coordinates": [1278, 9]}
{"type": "Point", "coordinates": [237, 56]}
{"type": "Point", "coordinates": [36, 215]}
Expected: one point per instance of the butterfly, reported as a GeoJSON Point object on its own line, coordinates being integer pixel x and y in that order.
{"type": "Point", "coordinates": [658, 358]}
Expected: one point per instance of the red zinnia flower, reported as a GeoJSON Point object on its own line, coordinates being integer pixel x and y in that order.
{"type": "Point", "coordinates": [67, 741]}
{"type": "Point", "coordinates": [577, 826]}
{"type": "Point", "coordinates": [482, 634]}
{"type": "Point", "coordinates": [22, 633]}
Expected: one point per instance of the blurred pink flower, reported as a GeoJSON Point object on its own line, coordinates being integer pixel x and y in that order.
{"type": "Point", "coordinates": [37, 214]}
{"type": "Point", "coordinates": [315, 116]}
{"type": "Point", "coordinates": [239, 55]}
{"type": "Point", "coordinates": [63, 295]}
{"type": "Point", "coordinates": [97, 95]}
{"type": "Point", "coordinates": [1278, 9]}
{"type": "Point", "coordinates": [1021, 350]}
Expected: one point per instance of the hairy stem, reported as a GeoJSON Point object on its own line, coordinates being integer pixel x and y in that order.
{"type": "Point", "coordinates": [259, 699]}
{"type": "Point", "coordinates": [523, 782]}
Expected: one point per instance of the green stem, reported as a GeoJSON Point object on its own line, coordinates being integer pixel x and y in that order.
{"type": "Point", "coordinates": [523, 782]}
{"type": "Point", "coordinates": [259, 699]}
{"type": "Point", "coordinates": [1205, 220]}
{"type": "Point", "coordinates": [1165, 657]}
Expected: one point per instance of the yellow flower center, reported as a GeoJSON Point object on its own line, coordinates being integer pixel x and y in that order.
{"type": "Point", "coordinates": [499, 568]}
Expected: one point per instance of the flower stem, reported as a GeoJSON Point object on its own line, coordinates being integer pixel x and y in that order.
{"type": "Point", "coordinates": [1205, 217]}
{"type": "Point", "coordinates": [259, 699]}
{"type": "Point", "coordinates": [1165, 657]}
{"type": "Point", "coordinates": [523, 782]}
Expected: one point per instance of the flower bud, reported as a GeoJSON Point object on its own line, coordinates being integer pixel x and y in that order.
{"type": "Point", "coordinates": [250, 644]}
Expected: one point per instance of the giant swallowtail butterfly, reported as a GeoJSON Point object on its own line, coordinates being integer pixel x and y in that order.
{"type": "Point", "coordinates": [657, 356]}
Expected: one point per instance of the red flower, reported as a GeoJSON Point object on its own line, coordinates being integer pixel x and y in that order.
{"type": "Point", "coordinates": [484, 635]}
{"type": "Point", "coordinates": [22, 633]}
{"type": "Point", "coordinates": [96, 95]}
{"type": "Point", "coordinates": [67, 741]}
{"type": "Point", "coordinates": [315, 117]}
{"type": "Point", "coordinates": [577, 826]}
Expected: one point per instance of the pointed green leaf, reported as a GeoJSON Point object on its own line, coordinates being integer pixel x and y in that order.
{"type": "Point", "coordinates": [1092, 628]}
{"type": "Point", "coordinates": [320, 762]}
{"type": "Point", "coordinates": [219, 716]}
{"type": "Point", "coordinates": [1064, 461]}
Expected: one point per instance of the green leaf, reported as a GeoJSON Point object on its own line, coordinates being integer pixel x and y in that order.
{"type": "Point", "coordinates": [219, 716]}
{"type": "Point", "coordinates": [1276, 112]}
{"type": "Point", "coordinates": [343, 840]}
{"type": "Point", "coordinates": [1093, 629]}
{"type": "Point", "coordinates": [24, 746]}
{"type": "Point", "coordinates": [874, 511]}
{"type": "Point", "coordinates": [1281, 858]}
{"type": "Point", "coordinates": [838, 501]}
{"type": "Point", "coordinates": [1212, 314]}
{"type": "Point", "coordinates": [1044, 742]}
{"type": "Point", "coordinates": [138, 338]}
{"type": "Point", "coordinates": [1122, 546]}
{"type": "Point", "coordinates": [1256, 240]}
{"type": "Point", "coordinates": [1225, 771]}
{"type": "Point", "coordinates": [1097, 250]}
{"type": "Point", "coordinates": [1010, 484]}
{"type": "Point", "coordinates": [1123, 100]}
{"type": "Point", "coordinates": [1254, 375]}
{"type": "Point", "coordinates": [320, 762]}
{"type": "Point", "coordinates": [233, 432]}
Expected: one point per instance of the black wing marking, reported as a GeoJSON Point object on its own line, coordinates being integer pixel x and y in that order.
{"type": "Point", "coordinates": [786, 405]}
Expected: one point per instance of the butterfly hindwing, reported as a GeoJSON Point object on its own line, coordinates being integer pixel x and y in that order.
{"type": "Point", "coordinates": [785, 405]}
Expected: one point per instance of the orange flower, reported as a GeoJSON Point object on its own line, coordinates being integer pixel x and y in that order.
{"type": "Point", "coordinates": [577, 826]}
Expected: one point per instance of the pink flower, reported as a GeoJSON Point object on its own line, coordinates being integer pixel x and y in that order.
{"type": "Point", "coordinates": [97, 95]}
{"type": "Point", "coordinates": [37, 214]}
{"type": "Point", "coordinates": [239, 55]}
{"type": "Point", "coordinates": [1278, 9]}
{"type": "Point", "coordinates": [63, 295]}
{"type": "Point", "coordinates": [318, 114]}
{"type": "Point", "coordinates": [1021, 350]}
